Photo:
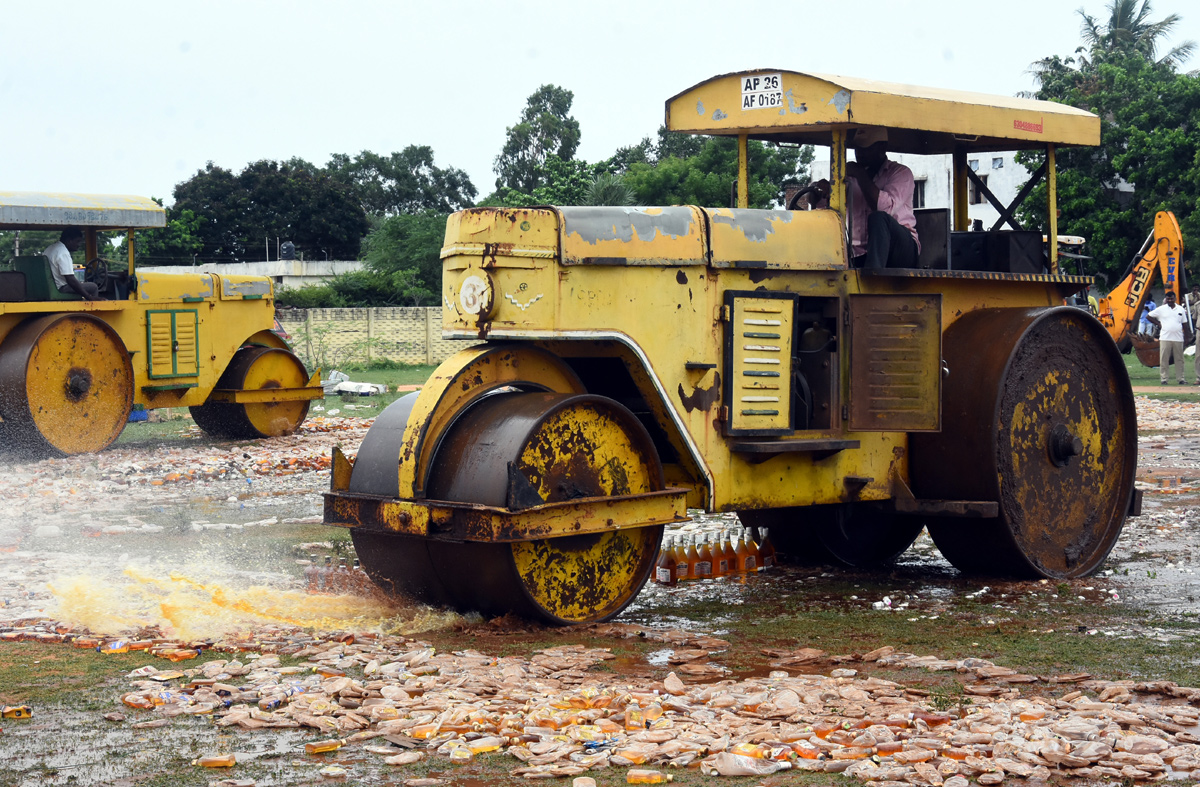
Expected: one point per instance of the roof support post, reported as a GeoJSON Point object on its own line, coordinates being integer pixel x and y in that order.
{"type": "Point", "coordinates": [1052, 206]}
{"type": "Point", "coordinates": [129, 245]}
{"type": "Point", "coordinates": [837, 171]}
{"type": "Point", "coordinates": [962, 221]}
{"type": "Point", "coordinates": [743, 182]}
{"type": "Point", "coordinates": [89, 244]}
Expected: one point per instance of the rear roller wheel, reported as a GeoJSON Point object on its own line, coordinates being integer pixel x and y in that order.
{"type": "Point", "coordinates": [66, 384]}
{"type": "Point", "coordinates": [855, 535]}
{"type": "Point", "coordinates": [1038, 416]}
{"type": "Point", "coordinates": [253, 369]}
{"type": "Point", "coordinates": [518, 450]}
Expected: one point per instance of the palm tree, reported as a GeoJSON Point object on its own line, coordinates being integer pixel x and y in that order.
{"type": "Point", "coordinates": [609, 189]}
{"type": "Point", "coordinates": [1129, 28]}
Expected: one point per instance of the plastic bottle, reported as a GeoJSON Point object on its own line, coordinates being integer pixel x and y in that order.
{"type": "Point", "coordinates": [114, 646]}
{"type": "Point", "coordinates": [320, 747]}
{"type": "Point", "coordinates": [720, 563]}
{"type": "Point", "coordinates": [312, 575]}
{"type": "Point", "coordinates": [486, 744]}
{"type": "Point", "coordinates": [216, 761]}
{"type": "Point", "coordinates": [767, 552]}
{"type": "Point", "coordinates": [730, 554]}
{"type": "Point", "coordinates": [664, 569]}
{"type": "Point", "coordinates": [754, 551]}
{"type": "Point", "coordinates": [704, 563]}
{"type": "Point", "coordinates": [730, 764]}
{"type": "Point", "coordinates": [325, 578]}
{"type": "Point", "coordinates": [681, 560]}
{"type": "Point", "coordinates": [634, 718]}
{"type": "Point", "coordinates": [643, 776]}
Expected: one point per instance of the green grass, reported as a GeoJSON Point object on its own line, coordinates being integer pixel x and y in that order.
{"type": "Point", "coordinates": [1148, 376]}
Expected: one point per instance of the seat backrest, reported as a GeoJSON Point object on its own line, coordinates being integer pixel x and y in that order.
{"type": "Point", "coordinates": [39, 282]}
{"type": "Point", "coordinates": [933, 229]}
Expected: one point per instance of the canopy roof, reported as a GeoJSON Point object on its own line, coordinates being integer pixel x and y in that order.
{"type": "Point", "coordinates": [789, 106]}
{"type": "Point", "coordinates": [29, 210]}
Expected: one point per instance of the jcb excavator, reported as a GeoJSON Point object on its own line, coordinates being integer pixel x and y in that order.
{"type": "Point", "coordinates": [1120, 310]}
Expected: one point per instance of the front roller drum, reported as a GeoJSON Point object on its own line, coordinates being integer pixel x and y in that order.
{"type": "Point", "coordinates": [516, 450]}
{"type": "Point", "coordinates": [1038, 415]}
{"type": "Point", "coordinates": [66, 384]}
{"type": "Point", "coordinates": [253, 369]}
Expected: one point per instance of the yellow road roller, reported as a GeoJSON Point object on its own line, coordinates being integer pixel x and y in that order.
{"type": "Point", "coordinates": [635, 362]}
{"type": "Point", "coordinates": [73, 370]}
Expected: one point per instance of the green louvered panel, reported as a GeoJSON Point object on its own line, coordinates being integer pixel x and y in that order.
{"type": "Point", "coordinates": [173, 343]}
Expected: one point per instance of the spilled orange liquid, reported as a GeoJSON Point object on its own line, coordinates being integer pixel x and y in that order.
{"type": "Point", "coordinates": [190, 609]}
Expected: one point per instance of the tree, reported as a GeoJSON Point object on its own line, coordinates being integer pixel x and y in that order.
{"type": "Point", "coordinates": [404, 182]}
{"type": "Point", "coordinates": [1129, 30]}
{"type": "Point", "coordinates": [706, 177]}
{"type": "Point", "coordinates": [268, 200]}
{"type": "Point", "coordinates": [178, 243]}
{"type": "Point", "coordinates": [546, 128]}
{"type": "Point", "coordinates": [1149, 154]}
{"type": "Point", "coordinates": [405, 252]}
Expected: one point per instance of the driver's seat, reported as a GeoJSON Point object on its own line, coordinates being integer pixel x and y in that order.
{"type": "Point", "coordinates": [39, 282]}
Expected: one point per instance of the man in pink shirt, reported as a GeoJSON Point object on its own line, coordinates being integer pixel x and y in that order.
{"type": "Point", "coordinates": [883, 227]}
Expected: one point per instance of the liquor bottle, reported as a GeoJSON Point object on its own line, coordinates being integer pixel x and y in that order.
{"type": "Point", "coordinates": [693, 558]}
{"type": "Point", "coordinates": [681, 559]}
{"type": "Point", "coordinates": [312, 575]}
{"type": "Point", "coordinates": [704, 566]}
{"type": "Point", "coordinates": [325, 578]}
{"type": "Point", "coordinates": [767, 551]}
{"type": "Point", "coordinates": [754, 550]}
{"type": "Point", "coordinates": [664, 569]}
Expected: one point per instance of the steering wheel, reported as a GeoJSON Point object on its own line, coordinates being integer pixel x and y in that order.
{"type": "Point", "coordinates": [804, 192]}
{"type": "Point", "coordinates": [96, 271]}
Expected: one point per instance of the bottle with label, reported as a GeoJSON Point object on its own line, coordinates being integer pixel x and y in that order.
{"type": "Point", "coordinates": [767, 552]}
{"type": "Point", "coordinates": [747, 559]}
{"type": "Point", "coordinates": [752, 545]}
{"type": "Point", "coordinates": [681, 559]}
{"type": "Point", "coordinates": [664, 569]}
{"type": "Point", "coordinates": [693, 558]}
{"type": "Point", "coordinates": [721, 565]}
{"type": "Point", "coordinates": [325, 578]}
{"type": "Point", "coordinates": [643, 776]}
{"type": "Point", "coordinates": [704, 566]}
{"type": "Point", "coordinates": [312, 574]}
{"type": "Point", "coordinates": [730, 554]}
{"type": "Point", "coordinates": [634, 718]}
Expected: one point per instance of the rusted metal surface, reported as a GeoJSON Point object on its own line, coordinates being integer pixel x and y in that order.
{"type": "Point", "coordinates": [1025, 389]}
{"type": "Point", "coordinates": [1147, 350]}
{"type": "Point", "coordinates": [470, 522]}
{"type": "Point", "coordinates": [895, 362]}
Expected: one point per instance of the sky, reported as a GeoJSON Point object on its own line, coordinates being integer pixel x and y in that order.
{"type": "Point", "coordinates": [127, 97]}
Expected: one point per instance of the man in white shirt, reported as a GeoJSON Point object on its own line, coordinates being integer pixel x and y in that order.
{"type": "Point", "coordinates": [1171, 318]}
{"type": "Point", "coordinates": [63, 269]}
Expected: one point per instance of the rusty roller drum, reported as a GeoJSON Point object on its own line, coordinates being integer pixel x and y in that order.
{"type": "Point", "coordinates": [252, 369]}
{"type": "Point", "coordinates": [1038, 415]}
{"type": "Point", "coordinates": [854, 535]}
{"type": "Point", "coordinates": [517, 450]}
{"type": "Point", "coordinates": [66, 384]}
{"type": "Point", "coordinates": [397, 564]}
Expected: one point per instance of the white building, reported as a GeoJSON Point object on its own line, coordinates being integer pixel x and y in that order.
{"type": "Point", "coordinates": [287, 274]}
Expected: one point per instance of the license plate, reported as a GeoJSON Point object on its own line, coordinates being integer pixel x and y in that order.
{"type": "Point", "coordinates": [762, 91]}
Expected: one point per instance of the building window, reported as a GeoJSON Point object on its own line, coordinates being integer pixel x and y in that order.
{"type": "Point", "coordinates": [919, 194]}
{"type": "Point", "coordinates": [973, 164]}
{"type": "Point", "coordinates": [998, 162]}
{"type": "Point", "coordinates": [975, 194]}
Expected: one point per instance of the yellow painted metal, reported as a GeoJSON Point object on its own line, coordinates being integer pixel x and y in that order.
{"type": "Point", "coordinates": [585, 578]}
{"type": "Point", "coordinates": [71, 380]}
{"type": "Point", "coordinates": [458, 382]}
{"type": "Point", "coordinates": [276, 371]}
{"type": "Point", "coordinates": [787, 239]}
{"type": "Point", "coordinates": [1052, 207]}
{"type": "Point", "coordinates": [743, 177]}
{"type": "Point", "coordinates": [761, 364]}
{"type": "Point", "coordinates": [1120, 310]}
{"type": "Point", "coordinates": [837, 171]}
{"type": "Point", "coordinates": [130, 245]}
{"type": "Point", "coordinates": [340, 469]}
{"type": "Point", "coordinates": [630, 236]}
{"type": "Point", "coordinates": [810, 106]}
{"type": "Point", "coordinates": [467, 521]}
{"type": "Point", "coordinates": [306, 393]}
{"type": "Point", "coordinates": [962, 217]}
{"type": "Point", "coordinates": [178, 360]}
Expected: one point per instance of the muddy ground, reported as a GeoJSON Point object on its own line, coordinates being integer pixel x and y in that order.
{"type": "Point", "coordinates": [202, 540]}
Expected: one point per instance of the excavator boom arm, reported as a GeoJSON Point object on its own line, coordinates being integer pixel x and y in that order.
{"type": "Point", "coordinates": [1121, 309]}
